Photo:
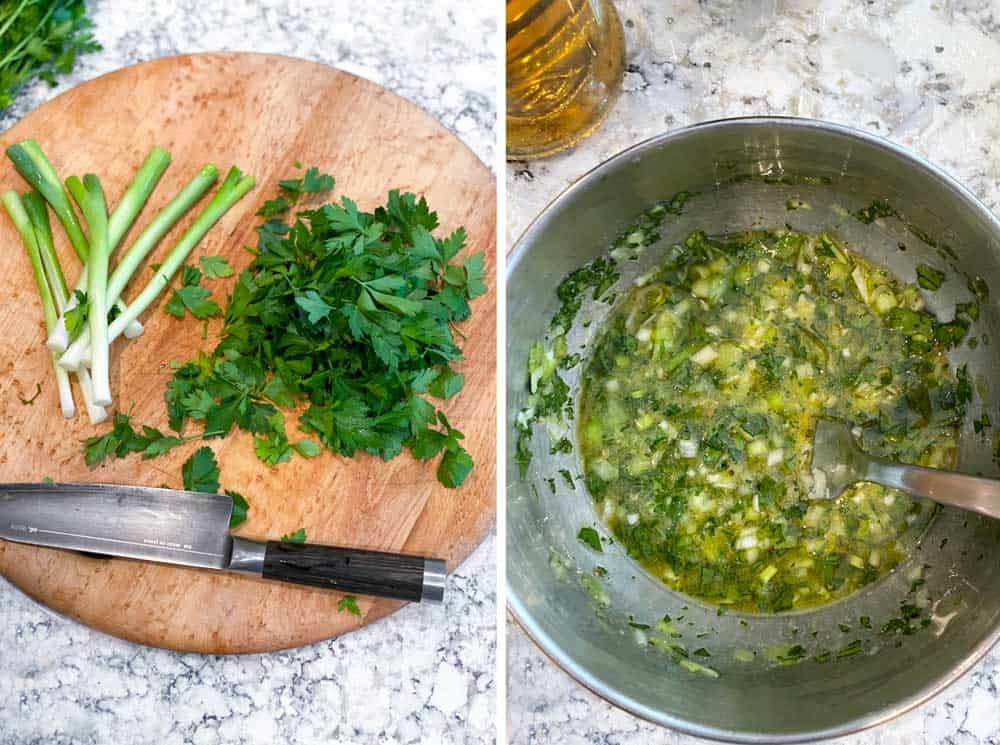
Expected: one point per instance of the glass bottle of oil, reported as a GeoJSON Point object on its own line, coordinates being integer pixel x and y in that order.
{"type": "Point", "coordinates": [565, 64]}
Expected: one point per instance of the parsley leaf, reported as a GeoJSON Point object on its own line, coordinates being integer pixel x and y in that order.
{"type": "Point", "coordinates": [274, 207]}
{"type": "Point", "coordinates": [591, 538]}
{"type": "Point", "coordinates": [215, 267]}
{"type": "Point", "coordinates": [76, 317]}
{"type": "Point", "coordinates": [299, 536]}
{"type": "Point", "coordinates": [191, 296]}
{"type": "Point", "coordinates": [456, 463]}
{"type": "Point", "coordinates": [314, 306]}
{"type": "Point", "coordinates": [446, 384]}
{"type": "Point", "coordinates": [311, 183]}
{"type": "Point", "coordinates": [928, 277]}
{"type": "Point", "coordinates": [349, 603]}
{"type": "Point", "coordinates": [158, 443]}
{"type": "Point", "coordinates": [240, 508]}
{"type": "Point", "coordinates": [314, 181]}
{"type": "Point", "coordinates": [475, 273]}
{"type": "Point", "coordinates": [201, 472]}
{"type": "Point", "coordinates": [122, 440]}
{"type": "Point", "coordinates": [454, 467]}
{"type": "Point", "coordinates": [272, 450]}
{"type": "Point", "coordinates": [307, 448]}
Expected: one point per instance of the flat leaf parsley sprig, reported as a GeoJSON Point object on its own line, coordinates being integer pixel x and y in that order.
{"type": "Point", "coordinates": [40, 38]}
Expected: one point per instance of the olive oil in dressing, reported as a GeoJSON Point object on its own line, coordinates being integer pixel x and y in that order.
{"type": "Point", "coordinates": [565, 63]}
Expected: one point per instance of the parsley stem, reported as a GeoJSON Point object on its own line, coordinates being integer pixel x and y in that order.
{"type": "Point", "coordinates": [13, 17]}
{"type": "Point", "coordinates": [74, 355]}
{"type": "Point", "coordinates": [15, 208]}
{"type": "Point", "coordinates": [95, 209]}
{"type": "Point", "coordinates": [16, 51]}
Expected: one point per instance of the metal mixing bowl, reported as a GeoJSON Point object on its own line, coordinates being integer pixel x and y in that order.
{"type": "Point", "coordinates": [743, 171]}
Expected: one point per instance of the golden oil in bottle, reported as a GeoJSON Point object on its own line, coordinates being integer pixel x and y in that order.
{"type": "Point", "coordinates": [565, 63]}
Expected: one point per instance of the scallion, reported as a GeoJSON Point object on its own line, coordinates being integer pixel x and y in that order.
{"type": "Point", "coordinates": [232, 190]}
{"type": "Point", "coordinates": [15, 208]}
{"type": "Point", "coordinates": [78, 351]}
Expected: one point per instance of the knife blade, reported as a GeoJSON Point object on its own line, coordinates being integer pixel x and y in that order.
{"type": "Point", "coordinates": [192, 529]}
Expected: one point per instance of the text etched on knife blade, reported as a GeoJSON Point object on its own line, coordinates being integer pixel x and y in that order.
{"type": "Point", "coordinates": [160, 543]}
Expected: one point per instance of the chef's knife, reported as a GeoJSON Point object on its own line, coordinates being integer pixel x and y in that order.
{"type": "Point", "coordinates": [192, 529]}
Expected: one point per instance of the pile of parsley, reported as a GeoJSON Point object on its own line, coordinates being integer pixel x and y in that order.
{"type": "Point", "coordinates": [347, 317]}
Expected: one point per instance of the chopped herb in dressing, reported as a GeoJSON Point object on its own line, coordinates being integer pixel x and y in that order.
{"type": "Point", "coordinates": [928, 277]}
{"type": "Point", "coordinates": [590, 537]}
{"type": "Point", "coordinates": [698, 404]}
{"type": "Point", "coordinates": [597, 276]}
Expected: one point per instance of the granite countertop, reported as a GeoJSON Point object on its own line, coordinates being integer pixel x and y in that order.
{"type": "Point", "coordinates": [423, 675]}
{"type": "Point", "coordinates": [923, 74]}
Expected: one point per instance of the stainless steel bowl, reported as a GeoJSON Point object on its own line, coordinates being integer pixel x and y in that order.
{"type": "Point", "coordinates": [743, 171]}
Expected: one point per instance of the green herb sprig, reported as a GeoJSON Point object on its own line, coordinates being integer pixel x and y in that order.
{"type": "Point", "coordinates": [40, 38]}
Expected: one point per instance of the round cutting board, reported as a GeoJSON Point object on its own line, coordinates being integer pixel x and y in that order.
{"type": "Point", "coordinates": [263, 113]}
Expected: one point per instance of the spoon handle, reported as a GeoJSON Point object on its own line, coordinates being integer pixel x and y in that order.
{"type": "Point", "coordinates": [974, 493]}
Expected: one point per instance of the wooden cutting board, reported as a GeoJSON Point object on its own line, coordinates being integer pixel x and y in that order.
{"type": "Point", "coordinates": [262, 113]}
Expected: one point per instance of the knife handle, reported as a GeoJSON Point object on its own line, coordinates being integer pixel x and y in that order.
{"type": "Point", "coordinates": [353, 570]}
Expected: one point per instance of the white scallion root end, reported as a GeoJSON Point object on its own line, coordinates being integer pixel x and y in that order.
{"type": "Point", "coordinates": [133, 330]}
{"type": "Point", "coordinates": [59, 339]}
{"type": "Point", "coordinates": [66, 403]}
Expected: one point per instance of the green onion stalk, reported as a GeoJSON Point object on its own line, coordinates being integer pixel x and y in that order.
{"type": "Point", "coordinates": [121, 219]}
{"type": "Point", "coordinates": [95, 210]}
{"type": "Point", "coordinates": [15, 208]}
{"type": "Point", "coordinates": [31, 163]}
{"type": "Point", "coordinates": [75, 353]}
{"type": "Point", "coordinates": [234, 188]}
{"type": "Point", "coordinates": [34, 205]}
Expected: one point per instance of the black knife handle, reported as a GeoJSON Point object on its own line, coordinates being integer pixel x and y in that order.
{"type": "Point", "coordinates": [353, 570]}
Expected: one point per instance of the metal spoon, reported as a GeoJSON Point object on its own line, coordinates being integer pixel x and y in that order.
{"type": "Point", "coordinates": [838, 462]}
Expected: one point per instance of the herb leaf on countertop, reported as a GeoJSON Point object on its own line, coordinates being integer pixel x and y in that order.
{"type": "Point", "coordinates": [191, 296]}
{"type": "Point", "coordinates": [299, 536]}
{"type": "Point", "coordinates": [349, 603]}
{"type": "Point", "coordinates": [201, 471]}
{"type": "Point", "coordinates": [122, 439]}
{"type": "Point", "coordinates": [215, 267]}
{"type": "Point", "coordinates": [240, 508]}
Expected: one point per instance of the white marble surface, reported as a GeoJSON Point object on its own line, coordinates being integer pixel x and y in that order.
{"type": "Point", "coordinates": [424, 675]}
{"type": "Point", "coordinates": [925, 74]}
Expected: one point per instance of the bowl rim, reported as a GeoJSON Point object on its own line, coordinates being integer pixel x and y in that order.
{"type": "Point", "coordinates": [519, 609]}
